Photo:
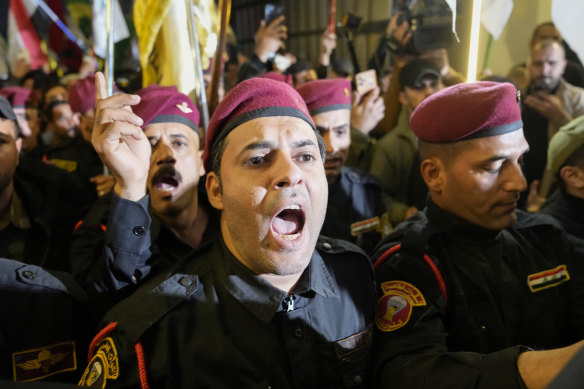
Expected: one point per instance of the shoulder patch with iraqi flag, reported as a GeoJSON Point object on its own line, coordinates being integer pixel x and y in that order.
{"type": "Point", "coordinates": [42, 362]}
{"type": "Point", "coordinates": [395, 307]}
{"type": "Point", "coordinates": [548, 278]}
{"type": "Point", "coordinates": [103, 366]}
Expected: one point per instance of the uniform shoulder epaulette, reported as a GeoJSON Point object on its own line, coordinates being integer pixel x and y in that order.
{"type": "Point", "coordinates": [531, 219]}
{"type": "Point", "coordinates": [337, 246]}
{"type": "Point", "coordinates": [405, 251]}
{"type": "Point", "coordinates": [16, 273]}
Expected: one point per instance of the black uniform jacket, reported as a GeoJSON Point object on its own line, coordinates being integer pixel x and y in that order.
{"type": "Point", "coordinates": [355, 209]}
{"type": "Point", "coordinates": [460, 315]}
{"type": "Point", "coordinates": [216, 324]}
{"type": "Point", "coordinates": [44, 329]}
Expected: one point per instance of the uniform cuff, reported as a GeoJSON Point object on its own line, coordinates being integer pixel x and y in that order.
{"type": "Point", "coordinates": [128, 226]}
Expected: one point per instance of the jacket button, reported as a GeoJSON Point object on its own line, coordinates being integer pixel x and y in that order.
{"type": "Point", "coordinates": [28, 274]}
{"type": "Point", "coordinates": [326, 246]}
{"type": "Point", "coordinates": [139, 230]}
{"type": "Point", "coordinates": [298, 332]}
{"type": "Point", "coordinates": [357, 380]}
{"type": "Point", "coordinates": [185, 281]}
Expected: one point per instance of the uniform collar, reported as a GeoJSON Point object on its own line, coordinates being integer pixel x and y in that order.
{"type": "Point", "coordinates": [16, 214]}
{"type": "Point", "coordinates": [461, 228]}
{"type": "Point", "coordinates": [259, 296]}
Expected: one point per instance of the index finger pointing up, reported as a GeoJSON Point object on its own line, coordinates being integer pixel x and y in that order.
{"type": "Point", "coordinates": [100, 89]}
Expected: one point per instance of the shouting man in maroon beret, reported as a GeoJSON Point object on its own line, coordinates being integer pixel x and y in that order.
{"type": "Point", "coordinates": [471, 285]}
{"type": "Point", "coordinates": [269, 303]}
{"type": "Point", "coordinates": [158, 212]}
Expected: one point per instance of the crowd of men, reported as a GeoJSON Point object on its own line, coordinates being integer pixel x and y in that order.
{"type": "Point", "coordinates": [426, 233]}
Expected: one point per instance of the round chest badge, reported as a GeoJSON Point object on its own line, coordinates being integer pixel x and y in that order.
{"type": "Point", "coordinates": [394, 308]}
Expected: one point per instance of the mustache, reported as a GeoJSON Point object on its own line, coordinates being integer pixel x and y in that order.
{"type": "Point", "coordinates": [166, 171]}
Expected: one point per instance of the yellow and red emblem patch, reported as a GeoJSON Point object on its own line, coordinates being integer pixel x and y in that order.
{"type": "Point", "coordinates": [394, 308]}
{"type": "Point", "coordinates": [103, 366]}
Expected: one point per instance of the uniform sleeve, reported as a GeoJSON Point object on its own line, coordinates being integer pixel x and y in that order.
{"type": "Point", "coordinates": [410, 347]}
{"type": "Point", "coordinates": [127, 243]}
{"type": "Point", "coordinates": [123, 259]}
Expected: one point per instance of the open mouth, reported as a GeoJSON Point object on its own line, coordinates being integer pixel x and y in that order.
{"type": "Point", "coordinates": [288, 223]}
{"type": "Point", "coordinates": [166, 183]}
{"type": "Point", "coordinates": [166, 179]}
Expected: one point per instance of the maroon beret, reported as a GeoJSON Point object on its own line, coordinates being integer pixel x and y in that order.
{"type": "Point", "coordinates": [16, 95]}
{"type": "Point", "coordinates": [467, 111]}
{"type": "Point", "coordinates": [326, 95]}
{"type": "Point", "coordinates": [287, 78]}
{"type": "Point", "coordinates": [251, 99]}
{"type": "Point", "coordinates": [82, 94]}
{"type": "Point", "coordinates": [165, 104]}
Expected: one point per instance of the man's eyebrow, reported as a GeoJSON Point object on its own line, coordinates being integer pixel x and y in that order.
{"type": "Point", "coordinates": [179, 135]}
{"type": "Point", "coordinates": [303, 143]}
{"type": "Point", "coordinates": [496, 158]}
{"type": "Point", "coordinates": [325, 129]}
{"type": "Point", "coordinates": [257, 145]}
{"type": "Point", "coordinates": [342, 126]}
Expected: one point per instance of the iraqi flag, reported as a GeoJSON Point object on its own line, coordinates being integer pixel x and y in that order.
{"type": "Point", "coordinates": [20, 34]}
{"type": "Point", "coordinates": [24, 24]}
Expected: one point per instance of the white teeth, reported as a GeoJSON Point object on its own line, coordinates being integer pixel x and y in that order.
{"type": "Point", "coordinates": [288, 237]}
{"type": "Point", "coordinates": [293, 206]}
{"type": "Point", "coordinates": [165, 187]}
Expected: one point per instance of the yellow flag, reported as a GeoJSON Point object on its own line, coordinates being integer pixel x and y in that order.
{"type": "Point", "coordinates": [163, 41]}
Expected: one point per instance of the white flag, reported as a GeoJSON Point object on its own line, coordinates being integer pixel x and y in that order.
{"type": "Point", "coordinates": [119, 26]}
{"type": "Point", "coordinates": [452, 5]}
{"type": "Point", "coordinates": [495, 14]}
{"type": "Point", "coordinates": [567, 16]}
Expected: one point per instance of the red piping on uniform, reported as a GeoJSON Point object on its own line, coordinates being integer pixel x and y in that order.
{"type": "Point", "coordinates": [385, 255]}
{"type": "Point", "coordinates": [99, 337]}
{"type": "Point", "coordinates": [102, 227]}
{"type": "Point", "coordinates": [79, 223]}
{"type": "Point", "coordinates": [141, 365]}
{"type": "Point", "coordinates": [438, 276]}
{"type": "Point", "coordinates": [428, 260]}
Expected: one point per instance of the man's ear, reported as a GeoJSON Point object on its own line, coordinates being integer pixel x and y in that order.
{"type": "Point", "coordinates": [18, 143]}
{"type": "Point", "coordinates": [573, 176]}
{"type": "Point", "coordinates": [214, 192]}
{"type": "Point", "coordinates": [402, 99]}
{"type": "Point", "coordinates": [432, 170]}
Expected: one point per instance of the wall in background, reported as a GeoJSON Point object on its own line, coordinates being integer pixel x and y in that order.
{"type": "Point", "coordinates": [307, 19]}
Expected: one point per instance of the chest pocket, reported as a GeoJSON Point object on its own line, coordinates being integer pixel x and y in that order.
{"type": "Point", "coordinates": [347, 362]}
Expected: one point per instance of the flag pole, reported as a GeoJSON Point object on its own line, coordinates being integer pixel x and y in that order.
{"type": "Point", "coordinates": [474, 41]}
{"type": "Point", "coordinates": [61, 25]}
{"type": "Point", "coordinates": [196, 52]}
{"type": "Point", "coordinates": [488, 52]}
{"type": "Point", "coordinates": [216, 70]}
{"type": "Point", "coordinates": [109, 56]}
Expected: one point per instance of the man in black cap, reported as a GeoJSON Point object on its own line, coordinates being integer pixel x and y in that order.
{"type": "Point", "coordinates": [471, 285]}
{"type": "Point", "coordinates": [395, 160]}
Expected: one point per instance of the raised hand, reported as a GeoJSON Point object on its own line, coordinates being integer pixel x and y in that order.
{"type": "Point", "coordinates": [268, 39]}
{"type": "Point", "coordinates": [120, 142]}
